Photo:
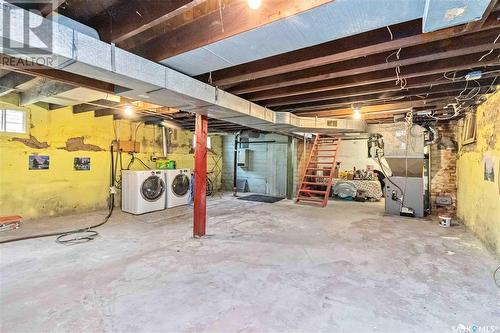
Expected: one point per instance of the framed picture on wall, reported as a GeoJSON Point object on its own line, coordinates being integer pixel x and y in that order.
{"type": "Point", "coordinates": [489, 168]}
{"type": "Point", "coordinates": [82, 163]}
{"type": "Point", "coordinates": [469, 129]}
{"type": "Point", "coordinates": [38, 162]}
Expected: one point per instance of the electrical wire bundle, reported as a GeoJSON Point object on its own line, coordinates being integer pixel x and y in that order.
{"type": "Point", "coordinates": [81, 235]}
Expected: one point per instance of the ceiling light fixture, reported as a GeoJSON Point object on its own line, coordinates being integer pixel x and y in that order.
{"type": "Point", "coordinates": [254, 4]}
{"type": "Point", "coordinates": [356, 112]}
{"type": "Point", "coordinates": [128, 110]}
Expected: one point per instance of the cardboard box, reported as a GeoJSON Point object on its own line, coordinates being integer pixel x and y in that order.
{"type": "Point", "coordinates": [128, 146]}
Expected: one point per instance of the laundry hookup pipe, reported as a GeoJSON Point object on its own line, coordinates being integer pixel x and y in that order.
{"type": "Point", "coordinates": [164, 140]}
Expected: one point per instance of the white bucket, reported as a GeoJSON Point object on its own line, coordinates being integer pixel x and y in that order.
{"type": "Point", "coordinates": [445, 221]}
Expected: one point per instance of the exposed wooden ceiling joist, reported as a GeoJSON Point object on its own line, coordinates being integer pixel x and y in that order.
{"type": "Point", "coordinates": [436, 66]}
{"type": "Point", "coordinates": [324, 109]}
{"type": "Point", "coordinates": [374, 109]}
{"type": "Point", "coordinates": [106, 112]}
{"type": "Point", "coordinates": [53, 5]}
{"type": "Point", "coordinates": [357, 69]}
{"type": "Point", "coordinates": [57, 75]}
{"type": "Point", "coordinates": [85, 10]}
{"type": "Point", "coordinates": [126, 20]}
{"type": "Point", "coordinates": [492, 6]}
{"type": "Point", "coordinates": [11, 80]}
{"type": "Point", "coordinates": [373, 42]}
{"type": "Point", "coordinates": [420, 85]}
{"type": "Point", "coordinates": [460, 66]}
{"type": "Point", "coordinates": [229, 21]}
{"type": "Point", "coordinates": [450, 91]}
{"type": "Point", "coordinates": [96, 105]}
{"type": "Point", "coordinates": [44, 90]}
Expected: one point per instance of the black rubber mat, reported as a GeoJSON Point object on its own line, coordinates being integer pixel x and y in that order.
{"type": "Point", "coordinates": [261, 198]}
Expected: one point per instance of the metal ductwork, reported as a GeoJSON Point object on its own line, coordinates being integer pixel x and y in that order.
{"type": "Point", "coordinates": [141, 79]}
{"type": "Point", "coordinates": [330, 21]}
{"type": "Point", "coordinates": [434, 137]}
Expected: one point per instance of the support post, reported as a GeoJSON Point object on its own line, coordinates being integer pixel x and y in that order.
{"type": "Point", "coordinates": [200, 177]}
{"type": "Point", "coordinates": [235, 165]}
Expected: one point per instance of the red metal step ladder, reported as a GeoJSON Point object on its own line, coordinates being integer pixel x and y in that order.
{"type": "Point", "coordinates": [317, 181]}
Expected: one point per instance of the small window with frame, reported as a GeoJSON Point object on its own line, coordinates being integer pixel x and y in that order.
{"type": "Point", "coordinates": [12, 121]}
{"type": "Point", "coordinates": [469, 129]}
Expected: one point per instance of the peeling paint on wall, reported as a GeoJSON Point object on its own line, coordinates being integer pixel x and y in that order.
{"type": "Point", "coordinates": [32, 142]}
{"type": "Point", "coordinates": [78, 144]}
{"type": "Point", "coordinates": [479, 200]}
{"type": "Point", "coordinates": [61, 189]}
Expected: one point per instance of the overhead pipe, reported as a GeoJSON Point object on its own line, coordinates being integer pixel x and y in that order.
{"type": "Point", "coordinates": [434, 136]}
{"type": "Point", "coordinates": [164, 141]}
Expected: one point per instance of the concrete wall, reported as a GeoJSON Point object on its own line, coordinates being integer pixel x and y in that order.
{"type": "Point", "coordinates": [354, 153]}
{"type": "Point", "coordinates": [444, 170]}
{"type": "Point", "coordinates": [479, 199]}
{"type": "Point", "coordinates": [63, 135]}
{"type": "Point", "coordinates": [267, 169]}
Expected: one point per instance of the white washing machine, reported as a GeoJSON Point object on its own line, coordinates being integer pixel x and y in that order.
{"type": "Point", "coordinates": [143, 191]}
{"type": "Point", "coordinates": [178, 187]}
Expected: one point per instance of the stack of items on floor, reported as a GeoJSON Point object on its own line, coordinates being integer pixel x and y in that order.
{"type": "Point", "coordinates": [358, 185]}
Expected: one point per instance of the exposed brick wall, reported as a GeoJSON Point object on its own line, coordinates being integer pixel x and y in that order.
{"type": "Point", "coordinates": [444, 170]}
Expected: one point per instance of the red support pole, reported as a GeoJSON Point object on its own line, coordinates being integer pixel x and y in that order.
{"type": "Point", "coordinates": [200, 177]}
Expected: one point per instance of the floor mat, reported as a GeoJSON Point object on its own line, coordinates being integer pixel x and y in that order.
{"type": "Point", "coordinates": [261, 198]}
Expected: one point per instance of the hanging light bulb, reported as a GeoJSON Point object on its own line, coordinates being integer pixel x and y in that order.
{"type": "Point", "coordinates": [128, 110]}
{"type": "Point", "coordinates": [356, 113]}
{"type": "Point", "coordinates": [254, 4]}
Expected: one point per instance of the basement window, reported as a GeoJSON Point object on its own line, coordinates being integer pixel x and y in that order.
{"type": "Point", "coordinates": [469, 129]}
{"type": "Point", "coordinates": [12, 121]}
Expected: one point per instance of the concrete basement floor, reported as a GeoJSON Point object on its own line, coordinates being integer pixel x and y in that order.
{"type": "Point", "coordinates": [264, 267]}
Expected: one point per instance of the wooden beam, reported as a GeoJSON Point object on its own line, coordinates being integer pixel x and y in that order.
{"type": "Point", "coordinates": [472, 26]}
{"type": "Point", "coordinates": [57, 75]}
{"type": "Point", "coordinates": [430, 83]}
{"type": "Point", "coordinates": [237, 18]}
{"type": "Point", "coordinates": [192, 12]}
{"type": "Point", "coordinates": [13, 79]}
{"type": "Point", "coordinates": [107, 112]}
{"type": "Point", "coordinates": [366, 44]}
{"type": "Point", "coordinates": [381, 107]}
{"type": "Point", "coordinates": [312, 83]}
{"type": "Point", "coordinates": [53, 106]}
{"type": "Point", "coordinates": [417, 94]}
{"type": "Point", "coordinates": [364, 80]}
{"type": "Point", "coordinates": [200, 177]}
{"type": "Point", "coordinates": [95, 105]}
{"type": "Point", "coordinates": [129, 20]}
{"type": "Point", "coordinates": [48, 8]}
{"type": "Point", "coordinates": [10, 81]}
{"type": "Point", "coordinates": [42, 91]}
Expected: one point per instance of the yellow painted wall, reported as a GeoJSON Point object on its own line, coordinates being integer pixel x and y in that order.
{"type": "Point", "coordinates": [61, 189]}
{"type": "Point", "coordinates": [478, 200]}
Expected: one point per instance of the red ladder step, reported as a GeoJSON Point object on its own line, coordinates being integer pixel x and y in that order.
{"type": "Point", "coordinates": [315, 184]}
{"type": "Point", "coordinates": [312, 191]}
{"type": "Point", "coordinates": [316, 176]}
{"type": "Point", "coordinates": [318, 168]}
{"type": "Point", "coordinates": [316, 199]}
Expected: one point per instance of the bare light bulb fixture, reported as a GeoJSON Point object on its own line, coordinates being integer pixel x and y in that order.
{"type": "Point", "coordinates": [128, 110]}
{"type": "Point", "coordinates": [254, 4]}
{"type": "Point", "coordinates": [356, 113]}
